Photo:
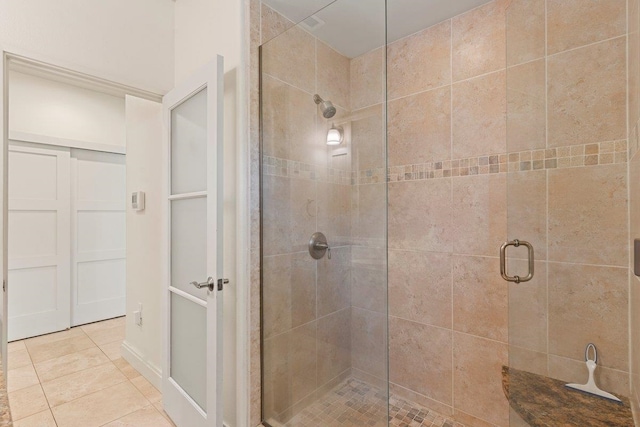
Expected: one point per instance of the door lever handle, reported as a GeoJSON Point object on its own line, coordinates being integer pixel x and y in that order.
{"type": "Point", "coordinates": [210, 284]}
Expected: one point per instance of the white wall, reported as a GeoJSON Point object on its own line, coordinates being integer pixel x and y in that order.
{"type": "Point", "coordinates": [204, 28]}
{"type": "Point", "coordinates": [45, 107]}
{"type": "Point", "coordinates": [128, 41]}
{"type": "Point", "coordinates": [144, 238]}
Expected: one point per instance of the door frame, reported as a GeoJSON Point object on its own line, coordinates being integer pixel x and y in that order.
{"type": "Point", "coordinates": [16, 58]}
{"type": "Point", "coordinates": [211, 77]}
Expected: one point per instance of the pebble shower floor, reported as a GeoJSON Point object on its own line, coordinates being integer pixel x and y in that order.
{"type": "Point", "coordinates": [356, 403]}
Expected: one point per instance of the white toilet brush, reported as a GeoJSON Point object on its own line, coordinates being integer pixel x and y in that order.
{"type": "Point", "coordinates": [590, 386]}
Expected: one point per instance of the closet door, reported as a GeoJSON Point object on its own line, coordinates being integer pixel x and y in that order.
{"type": "Point", "coordinates": [39, 229]}
{"type": "Point", "coordinates": [98, 236]}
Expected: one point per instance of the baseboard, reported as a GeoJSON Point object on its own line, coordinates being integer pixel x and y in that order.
{"type": "Point", "coordinates": [151, 372]}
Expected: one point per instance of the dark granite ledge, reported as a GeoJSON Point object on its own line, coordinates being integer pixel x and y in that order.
{"type": "Point", "coordinates": [546, 402]}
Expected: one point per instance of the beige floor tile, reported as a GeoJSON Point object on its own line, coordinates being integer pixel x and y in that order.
{"type": "Point", "coordinates": [54, 337]}
{"type": "Point", "coordinates": [73, 386]}
{"type": "Point", "coordinates": [105, 324]}
{"type": "Point", "coordinates": [101, 407]}
{"type": "Point", "coordinates": [129, 371]}
{"type": "Point", "coordinates": [20, 378]}
{"type": "Point", "coordinates": [147, 389]}
{"type": "Point", "coordinates": [27, 401]}
{"type": "Point", "coordinates": [50, 350]}
{"type": "Point", "coordinates": [16, 345]}
{"type": "Point", "coordinates": [107, 335]}
{"type": "Point", "coordinates": [41, 419]}
{"type": "Point", "coordinates": [112, 350]}
{"type": "Point", "coordinates": [158, 406]}
{"type": "Point", "coordinates": [70, 363]}
{"type": "Point", "coordinates": [18, 358]}
{"type": "Point", "coordinates": [147, 417]}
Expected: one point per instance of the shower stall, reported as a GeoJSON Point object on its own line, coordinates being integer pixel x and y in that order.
{"type": "Point", "coordinates": [402, 144]}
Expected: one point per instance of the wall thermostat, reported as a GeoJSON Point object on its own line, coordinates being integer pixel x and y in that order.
{"type": "Point", "coordinates": [137, 201]}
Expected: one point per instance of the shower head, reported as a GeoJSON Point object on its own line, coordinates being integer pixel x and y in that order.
{"type": "Point", "coordinates": [328, 110]}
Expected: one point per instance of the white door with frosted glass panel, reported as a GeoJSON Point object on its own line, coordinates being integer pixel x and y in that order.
{"type": "Point", "coordinates": [98, 236]}
{"type": "Point", "coordinates": [192, 374]}
{"type": "Point", "coordinates": [39, 224]}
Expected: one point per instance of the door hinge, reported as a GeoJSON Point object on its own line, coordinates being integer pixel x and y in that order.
{"type": "Point", "coordinates": [221, 283]}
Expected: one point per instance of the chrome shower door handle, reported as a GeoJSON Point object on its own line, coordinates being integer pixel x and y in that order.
{"type": "Point", "coordinates": [503, 261]}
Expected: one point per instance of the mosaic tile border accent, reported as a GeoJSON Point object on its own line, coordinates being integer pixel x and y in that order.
{"type": "Point", "coordinates": [554, 158]}
{"type": "Point", "coordinates": [357, 403]}
{"type": "Point", "coordinates": [584, 155]}
{"type": "Point", "coordinates": [274, 166]}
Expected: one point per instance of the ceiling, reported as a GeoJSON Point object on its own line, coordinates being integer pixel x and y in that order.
{"type": "Point", "coordinates": [354, 27]}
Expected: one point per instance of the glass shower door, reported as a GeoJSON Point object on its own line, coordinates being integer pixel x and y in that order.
{"type": "Point", "coordinates": [323, 152]}
{"type": "Point", "coordinates": [567, 196]}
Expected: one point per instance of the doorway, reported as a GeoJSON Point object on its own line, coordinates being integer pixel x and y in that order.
{"type": "Point", "coordinates": [93, 208]}
{"type": "Point", "coordinates": [67, 210]}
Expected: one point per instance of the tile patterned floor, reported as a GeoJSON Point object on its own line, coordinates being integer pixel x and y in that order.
{"type": "Point", "coordinates": [76, 378]}
{"type": "Point", "coordinates": [356, 403]}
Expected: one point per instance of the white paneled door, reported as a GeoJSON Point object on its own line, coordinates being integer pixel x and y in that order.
{"type": "Point", "coordinates": [66, 231]}
{"type": "Point", "coordinates": [39, 226]}
{"type": "Point", "coordinates": [192, 374]}
{"type": "Point", "coordinates": [98, 236]}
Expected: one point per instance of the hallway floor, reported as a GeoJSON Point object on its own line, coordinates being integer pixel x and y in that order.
{"type": "Point", "coordinates": [76, 378]}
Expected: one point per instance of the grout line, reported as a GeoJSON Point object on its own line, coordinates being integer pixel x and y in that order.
{"type": "Point", "coordinates": [271, 337]}
{"type": "Point", "coordinates": [279, 80]}
{"type": "Point", "coordinates": [546, 137]}
{"type": "Point", "coordinates": [529, 61]}
{"type": "Point", "coordinates": [81, 370]}
{"type": "Point", "coordinates": [585, 45]}
{"type": "Point", "coordinates": [449, 85]}
{"type": "Point", "coordinates": [453, 331]}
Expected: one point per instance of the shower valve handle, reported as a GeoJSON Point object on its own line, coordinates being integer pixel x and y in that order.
{"type": "Point", "coordinates": [318, 246]}
{"type": "Point", "coordinates": [324, 246]}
